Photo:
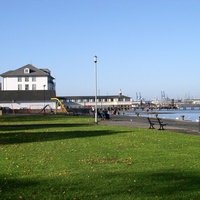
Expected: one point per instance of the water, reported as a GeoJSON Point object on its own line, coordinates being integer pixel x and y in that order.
{"type": "Point", "coordinates": [192, 115]}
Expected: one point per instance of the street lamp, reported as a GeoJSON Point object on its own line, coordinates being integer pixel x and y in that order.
{"type": "Point", "coordinates": [44, 97]}
{"type": "Point", "coordinates": [95, 75]}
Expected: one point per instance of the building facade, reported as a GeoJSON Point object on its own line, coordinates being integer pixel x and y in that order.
{"type": "Point", "coordinates": [107, 101]}
{"type": "Point", "coordinates": [28, 77]}
{"type": "Point", "coordinates": [27, 87]}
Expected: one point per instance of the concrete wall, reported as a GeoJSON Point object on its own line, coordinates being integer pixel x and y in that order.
{"type": "Point", "coordinates": [29, 105]}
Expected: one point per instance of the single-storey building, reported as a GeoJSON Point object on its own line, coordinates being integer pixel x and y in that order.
{"type": "Point", "coordinates": [104, 101]}
{"type": "Point", "coordinates": [36, 99]}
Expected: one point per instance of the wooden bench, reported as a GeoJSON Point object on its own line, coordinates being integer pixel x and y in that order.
{"type": "Point", "coordinates": [156, 121]}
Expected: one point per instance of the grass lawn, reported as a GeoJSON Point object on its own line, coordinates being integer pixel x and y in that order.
{"type": "Point", "coordinates": [68, 157]}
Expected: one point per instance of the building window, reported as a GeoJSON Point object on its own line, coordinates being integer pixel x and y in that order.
{"type": "Point", "coordinates": [34, 87]}
{"type": "Point", "coordinates": [20, 87]}
{"type": "Point", "coordinates": [26, 71]}
{"type": "Point", "coordinates": [26, 79]}
{"type": "Point", "coordinates": [19, 79]}
{"type": "Point", "coordinates": [33, 79]}
{"type": "Point", "coordinates": [26, 87]}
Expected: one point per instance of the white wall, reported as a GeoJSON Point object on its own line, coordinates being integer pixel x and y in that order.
{"type": "Point", "coordinates": [41, 81]}
{"type": "Point", "coordinates": [12, 83]}
{"type": "Point", "coordinates": [39, 105]}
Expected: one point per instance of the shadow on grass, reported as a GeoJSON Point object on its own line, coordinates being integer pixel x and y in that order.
{"type": "Point", "coordinates": [115, 185]}
{"type": "Point", "coordinates": [30, 118]}
{"type": "Point", "coordinates": [27, 137]}
{"type": "Point", "coordinates": [21, 127]}
{"type": "Point", "coordinates": [161, 185]}
{"type": "Point", "coordinates": [9, 185]}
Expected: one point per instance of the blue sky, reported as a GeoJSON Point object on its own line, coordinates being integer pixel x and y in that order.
{"type": "Point", "coordinates": [145, 46]}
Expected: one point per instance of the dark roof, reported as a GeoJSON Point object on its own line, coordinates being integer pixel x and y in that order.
{"type": "Point", "coordinates": [92, 97]}
{"type": "Point", "coordinates": [33, 72]}
{"type": "Point", "coordinates": [27, 95]}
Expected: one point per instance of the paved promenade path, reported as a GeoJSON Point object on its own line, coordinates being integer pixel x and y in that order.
{"type": "Point", "coordinates": [181, 126]}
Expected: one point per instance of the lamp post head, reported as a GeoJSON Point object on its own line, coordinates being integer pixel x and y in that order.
{"type": "Point", "coordinates": [95, 59]}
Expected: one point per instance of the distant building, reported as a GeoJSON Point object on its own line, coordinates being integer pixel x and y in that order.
{"type": "Point", "coordinates": [112, 101]}
{"type": "Point", "coordinates": [33, 88]}
{"type": "Point", "coordinates": [27, 86]}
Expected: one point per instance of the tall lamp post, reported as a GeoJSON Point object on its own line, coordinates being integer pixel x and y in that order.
{"type": "Point", "coordinates": [44, 97]}
{"type": "Point", "coordinates": [95, 75]}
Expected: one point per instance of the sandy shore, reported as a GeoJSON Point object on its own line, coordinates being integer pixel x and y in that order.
{"type": "Point", "coordinates": [181, 126]}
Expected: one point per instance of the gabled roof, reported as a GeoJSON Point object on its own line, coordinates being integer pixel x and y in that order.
{"type": "Point", "coordinates": [33, 71]}
{"type": "Point", "coordinates": [26, 95]}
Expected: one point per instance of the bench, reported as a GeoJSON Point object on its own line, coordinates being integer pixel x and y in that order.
{"type": "Point", "coordinates": [156, 121]}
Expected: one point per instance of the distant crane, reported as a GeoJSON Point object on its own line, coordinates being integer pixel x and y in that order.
{"type": "Point", "coordinates": [140, 96]}
{"type": "Point", "coordinates": [136, 95]}
{"type": "Point", "coordinates": [162, 95]}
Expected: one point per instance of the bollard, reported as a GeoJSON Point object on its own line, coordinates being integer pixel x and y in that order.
{"type": "Point", "coordinates": [182, 117]}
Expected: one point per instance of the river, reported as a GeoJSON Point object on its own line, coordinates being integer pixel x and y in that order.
{"type": "Point", "coordinates": [188, 114]}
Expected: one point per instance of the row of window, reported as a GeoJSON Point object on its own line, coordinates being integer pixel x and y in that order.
{"type": "Point", "coordinates": [93, 100]}
{"type": "Point", "coordinates": [27, 87]}
{"type": "Point", "coordinates": [86, 100]}
{"type": "Point", "coordinates": [26, 78]}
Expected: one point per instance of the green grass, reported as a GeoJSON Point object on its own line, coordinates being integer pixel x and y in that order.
{"type": "Point", "coordinates": [65, 157]}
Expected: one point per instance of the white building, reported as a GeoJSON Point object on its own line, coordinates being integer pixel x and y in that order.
{"type": "Point", "coordinates": [28, 77]}
{"type": "Point", "coordinates": [28, 87]}
{"type": "Point", "coordinates": [104, 101]}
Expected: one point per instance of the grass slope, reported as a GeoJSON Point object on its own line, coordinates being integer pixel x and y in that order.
{"type": "Point", "coordinates": [62, 157]}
